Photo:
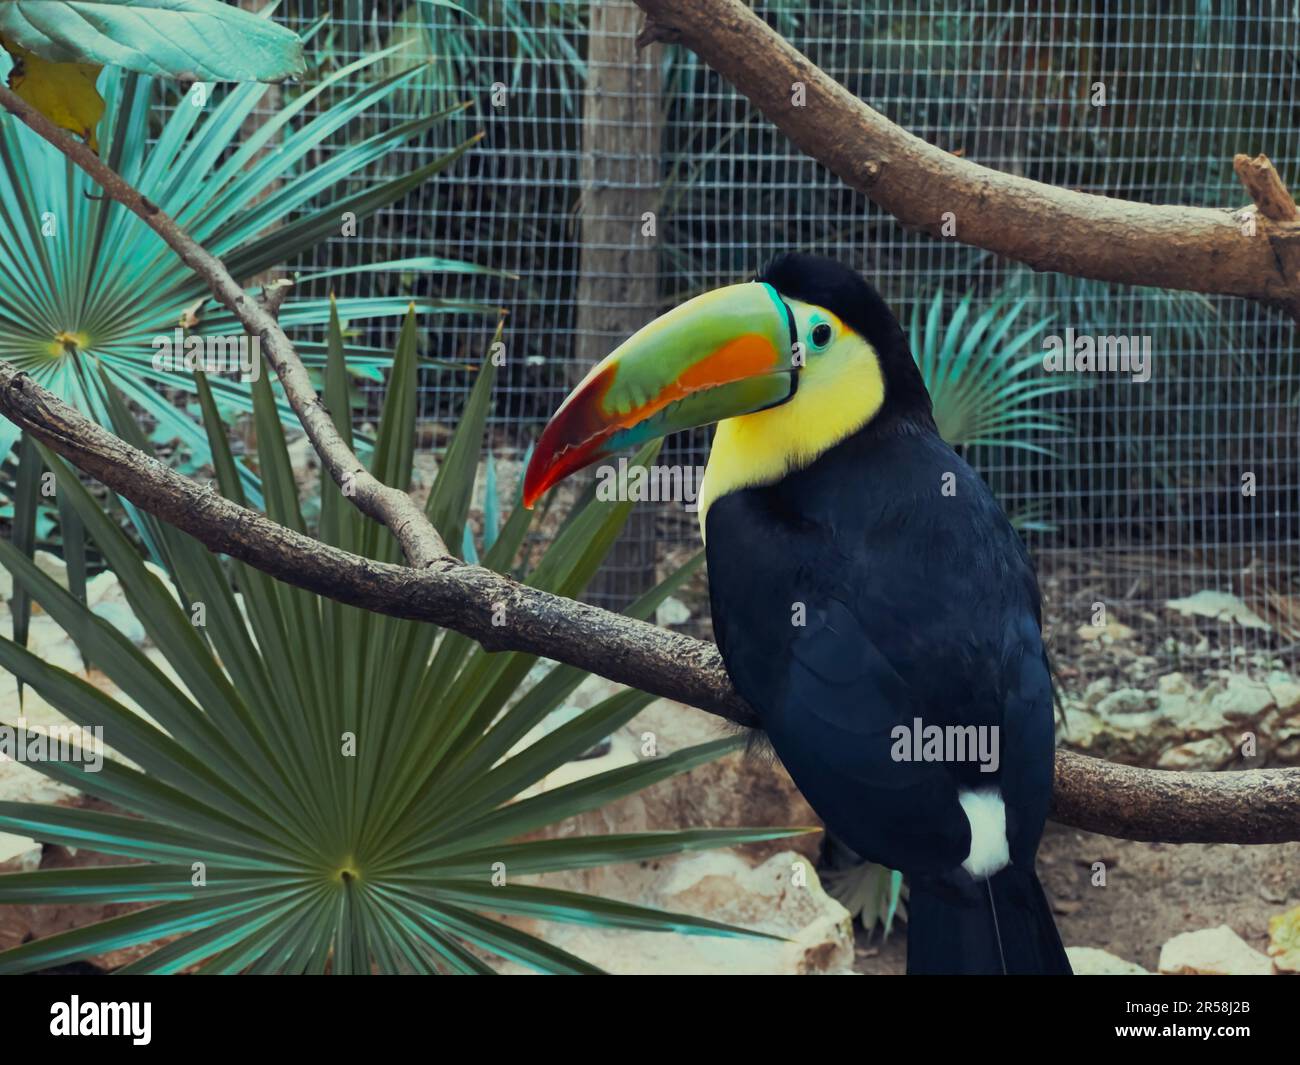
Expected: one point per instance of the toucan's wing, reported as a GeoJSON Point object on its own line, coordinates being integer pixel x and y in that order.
{"type": "Point", "coordinates": [833, 721]}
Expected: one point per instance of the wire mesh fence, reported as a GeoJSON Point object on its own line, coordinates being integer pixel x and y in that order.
{"type": "Point", "coordinates": [616, 182]}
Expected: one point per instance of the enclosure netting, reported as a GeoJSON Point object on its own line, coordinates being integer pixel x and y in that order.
{"type": "Point", "coordinates": [1138, 502]}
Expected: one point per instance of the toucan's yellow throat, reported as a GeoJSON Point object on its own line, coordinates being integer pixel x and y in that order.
{"type": "Point", "coordinates": [841, 388]}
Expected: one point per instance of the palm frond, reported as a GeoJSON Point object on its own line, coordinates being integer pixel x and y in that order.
{"type": "Point", "coordinates": [317, 788]}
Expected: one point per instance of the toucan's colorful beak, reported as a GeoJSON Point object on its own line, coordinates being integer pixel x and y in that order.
{"type": "Point", "coordinates": [720, 355]}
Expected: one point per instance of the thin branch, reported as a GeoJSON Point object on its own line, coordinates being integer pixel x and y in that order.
{"type": "Point", "coordinates": [420, 542]}
{"type": "Point", "coordinates": [925, 187]}
{"type": "Point", "coordinates": [1254, 806]}
{"type": "Point", "coordinates": [1265, 187]}
{"type": "Point", "coordinates": [274, 294]}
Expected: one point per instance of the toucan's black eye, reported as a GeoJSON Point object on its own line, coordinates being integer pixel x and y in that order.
{"type": "Point", "coordinates": [821, 335]}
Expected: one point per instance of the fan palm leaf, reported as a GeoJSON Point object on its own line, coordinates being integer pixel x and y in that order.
{"type": "Point", "coordinates": [86, 287]}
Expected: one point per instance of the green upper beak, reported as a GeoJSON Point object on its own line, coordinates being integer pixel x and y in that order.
{"type": "Point", "coordinates": [720, 355]}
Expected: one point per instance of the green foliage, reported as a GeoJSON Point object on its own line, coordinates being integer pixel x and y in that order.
{"type": "Point", "coordinates": [345, 778]}
{"type": "Point", "coordinates": [542, 44]}
{"type": "Point", "coordinates": [197, 40]}
{"type": "Point", "coordinates": [980, 373]}
{"type": "Point", "coordinates": [1182, 322]}
{"type": "Point", "coordinates": [871, 893]}
{"type": "Point", "coordinates": [87, 287]}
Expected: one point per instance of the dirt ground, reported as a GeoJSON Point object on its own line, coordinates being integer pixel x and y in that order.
{"type": "Point", "coordinates": [1153, 892]}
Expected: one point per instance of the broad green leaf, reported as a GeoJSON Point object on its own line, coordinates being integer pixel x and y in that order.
{"type": "Point", "coordinates": [193, 40]}
{"type": "Point", "coordinates": [549, 855]}
{"type": "Point", "coordinates": [130, 883]}
{"type": "Point", "coordinates": [166, 919]}
{"type": "Point", "coordinates": [982, 386]}
{"type": "Point", "coordinates": [88, 301]}
{"type": "Point", "coordinates": [519, 818]}
{"type": "Point", "coordinates": [449, 500]}
{"type": "Point", "coordinates": [23, 534]}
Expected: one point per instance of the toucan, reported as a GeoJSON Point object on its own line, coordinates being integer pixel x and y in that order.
{"type": "Point", "coordinates": [870, 599]}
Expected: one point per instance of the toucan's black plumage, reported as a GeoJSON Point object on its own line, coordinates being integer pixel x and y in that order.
{"type": "Point", "coordinates": [878, 585]}
{"type": "Point", "coordinates": [866, 588]}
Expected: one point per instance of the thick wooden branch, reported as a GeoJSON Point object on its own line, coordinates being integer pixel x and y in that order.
{"type": "Point", "coordinates": [1194, 248]}
{"type": "Point", "coordinates": [1248, 806]}
{"type": "Point", "coordinates": [420, 542]}
{"type": "Point", "coordinates": [1256, 806]}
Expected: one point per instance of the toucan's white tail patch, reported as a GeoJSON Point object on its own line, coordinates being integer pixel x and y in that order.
{"type": "Point", "coordinates": [988, 832]}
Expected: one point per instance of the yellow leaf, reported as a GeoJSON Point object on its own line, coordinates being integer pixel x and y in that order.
{"type": "Point", "coordinates": [1284, 940]}
{"type": "Point", "coordinates": [64, 93]}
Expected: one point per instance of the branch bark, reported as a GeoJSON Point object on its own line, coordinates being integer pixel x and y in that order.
{"type": "Point", "coordinates": [1265, 187]}
{"type": "Point", "coordinates": [1198, 249]}
{"type": "Point", "coordinates": [420, 542]}
{"type": "Point", "coordinates": [1254, 806]}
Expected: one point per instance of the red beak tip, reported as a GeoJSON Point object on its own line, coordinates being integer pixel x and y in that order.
{"type": "Point", "coordinates": [535, 485]}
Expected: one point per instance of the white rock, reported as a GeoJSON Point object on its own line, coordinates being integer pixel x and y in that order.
{"type": "Point", "coordinates": [1212, 952]}
{"type": "Point", "coordinates": [22, 783]}
{"type": "Point", "coordinates": [1092, 961]}
{"type": "Point", "coordinates": [1220, 606]}
{"type": "Point", "coordinates": [1172, 684]}
{"type": "Point", "coordinates": [1284, 940]}
{"type": "Point", "coordinates": [1213, 752]}
{"type": "Point", "coordinates": [52, 566]}
{"type": "Point", "coordinates": [722, 886]}
{"type": "Point", "coordinates": [1125, 702]}
{"type": "Point", "coordinates": [47, 640]}
{"type": "Point", "coordinates": [122, 618]}
{"type": "Point", "coordinates": [1097, 690]}
{"type": "Point", "coordinates": [1243, 699]}
{"type": "Point", "coordinates": [104, 587]}
{"type": "Point", "coordinates": [672, 611]}
{"type": "Point", "coordinates": [27, 851]}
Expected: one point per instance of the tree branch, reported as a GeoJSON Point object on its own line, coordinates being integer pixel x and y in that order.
{"type": "Point", "coordinates": [1194, 248]}
{"type": "Point", "coordinates": [420, 542]}
{"type": "Point", "coordinates": [448, 593]}
{"type": "Point", "coordinates": [1255, 806]}
{"type": "Point", "coordinates": [1265, 187]}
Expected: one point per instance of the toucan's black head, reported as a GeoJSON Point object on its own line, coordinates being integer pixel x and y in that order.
{"type": "Point", "coordinates": [787, 366]}
{"type": "Point", "coordinates": [829, 284]}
